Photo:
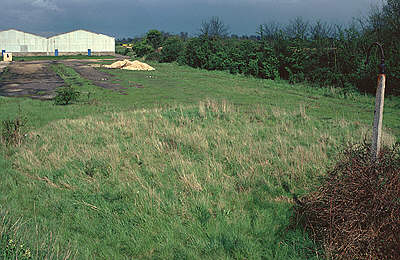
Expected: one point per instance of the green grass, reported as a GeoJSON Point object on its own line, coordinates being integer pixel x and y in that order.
{"type": "Point", "coordinates": [192, 166]}
{"type": "Point", "coordinates": [61, 57]}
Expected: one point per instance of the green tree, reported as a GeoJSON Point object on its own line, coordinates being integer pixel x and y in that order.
{"type": "Point", "coordinates": [154, 38]}
{"type": "Point", "coordinates": [142, 48]}
{"type": "Point", "coordinates": [172, 49]}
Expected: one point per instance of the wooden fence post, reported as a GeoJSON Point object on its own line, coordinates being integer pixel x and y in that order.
{"type": "Point", "coordinates": [378, 117]}
{"type": "Point", "coordinates": [379, 102]}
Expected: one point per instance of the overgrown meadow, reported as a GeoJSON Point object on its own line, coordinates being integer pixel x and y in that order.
{"type": "Point", "coordinates": [194, 165]}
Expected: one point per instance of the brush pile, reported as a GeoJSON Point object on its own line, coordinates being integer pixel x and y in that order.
{"type": "Point", "coordinates": [356, 213]}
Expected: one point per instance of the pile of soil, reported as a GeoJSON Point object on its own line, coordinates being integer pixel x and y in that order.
{"type": "Point", "coordinates": [129, 65]}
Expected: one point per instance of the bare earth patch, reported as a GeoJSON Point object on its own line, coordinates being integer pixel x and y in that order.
{"type": "Point", "coordinates": [35, 79]}
{"type": "Point", "coordinates": [29, 79]}
{"type": "Point", "coordinates": [97, 77]}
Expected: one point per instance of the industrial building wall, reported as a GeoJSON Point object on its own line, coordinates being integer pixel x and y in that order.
{"type": "Point", "coordinates": [76, 42]}
{"type": "Point", "coordinates": [80, 41]}
{"type": "Point", "coordinates": [20, 42]}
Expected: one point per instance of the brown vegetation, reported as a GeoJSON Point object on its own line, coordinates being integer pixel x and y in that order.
{"type": "Point", "coordinates": [356, 213]}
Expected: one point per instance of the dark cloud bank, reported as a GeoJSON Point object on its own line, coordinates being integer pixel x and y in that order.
{"type": "Point", "coordinates": [121, 18]}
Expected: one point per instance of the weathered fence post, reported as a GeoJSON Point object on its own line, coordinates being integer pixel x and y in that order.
{"type": "Point", "coordinates": [379, 102]}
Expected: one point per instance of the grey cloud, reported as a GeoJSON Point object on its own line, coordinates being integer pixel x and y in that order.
{"type": "Point", "coordinates": [129, 18]}
{"type": "Point", "coordinates": [46, 4]}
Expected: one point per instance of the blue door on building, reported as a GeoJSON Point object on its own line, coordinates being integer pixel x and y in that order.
{"type": "Point", "coordinates": [2, 53]}
{"type": "Point", "coordinates": [56, 52]}
{"type": "Point", "coordinates": [89, 52]}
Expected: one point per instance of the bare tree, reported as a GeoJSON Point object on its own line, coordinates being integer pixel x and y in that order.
{"type": "Point", "coordinates": [298, 28]}
{"type": "Point", "coordinates": [270, 31]}
{"type": "Point", "coordinates": [321, 30]}
{"type": "Point", "coordinates": [391, 14]}
{"type": "Point", "coordinates": [214, 28]}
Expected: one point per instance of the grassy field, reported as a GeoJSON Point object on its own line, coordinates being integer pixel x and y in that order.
{"type": "Point", "coordinates": [61, 57]}
{"type": "Point", "coordinates": [191, 166]}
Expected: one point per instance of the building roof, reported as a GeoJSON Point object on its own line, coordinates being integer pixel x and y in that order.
{"type": "Point", "coordinates": [37, 35]}
{"type": "Point", "coordinates": [77, 31]}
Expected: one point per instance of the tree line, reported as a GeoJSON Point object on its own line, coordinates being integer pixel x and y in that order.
{"type": "Point", "coordinates": [318, 53]}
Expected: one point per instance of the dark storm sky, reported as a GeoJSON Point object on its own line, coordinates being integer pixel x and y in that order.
{"type": "Point", "coordinates": [122, 18]}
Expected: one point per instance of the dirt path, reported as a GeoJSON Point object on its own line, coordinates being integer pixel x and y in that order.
{"type": "Point", "coordinates": [35, 79]}
{"type": "Point", "coordinates": [29, 79]}
{"type": "Point", "coordinates": [97, 77]}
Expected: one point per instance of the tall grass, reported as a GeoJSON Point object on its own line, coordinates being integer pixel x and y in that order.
{"type": "Point", "coordinates": [193, 165]}
{"type": "Point", "coordinates": [24, 239]}
{"type": "Point", "coordinates": [201, 181]}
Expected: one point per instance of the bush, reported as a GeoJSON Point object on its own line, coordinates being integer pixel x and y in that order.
{"type": "Point", "coordinates": [142, 48]}
{"type": "Point", "coordinates": [131, 53]}
{"type": "Point", "coordinates": [356, 213]}
{"type": "Point", "coordinates": [154, 38]}
{"type": "Point", "coordinates": [197, 52]}
{"type": "Point", "coordinates": [172, 49]}
{"type": "Point", "coordinates": [237, 56]}
{"type": "Point", "coordinates": [66, 95]}
{"type": "Point", "coordinates": [121, 50]}
{"type": "Point", "coordinates": [154, 56]}
{"type": "Point", "coordinates": [13, 131]}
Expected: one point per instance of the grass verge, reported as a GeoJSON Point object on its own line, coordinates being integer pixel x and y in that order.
{"type": "Point", "coordinates": [63, 57]}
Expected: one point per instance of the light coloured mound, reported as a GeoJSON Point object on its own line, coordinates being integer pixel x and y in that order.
{"type": "Point", "coordinates": [137, 65]}
{"type": "Point", "coordinates": [117, 65]}
{"type": "Point", "coordinates": [129, 65]}
{"type": "Point", "coordinates": [95, 65]}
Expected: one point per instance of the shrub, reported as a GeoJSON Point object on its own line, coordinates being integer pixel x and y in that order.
{"type": "Point", "coordinates": [197, 51]}
{"type": "Point", "coordinates": [154, 38]}
{"type": "Point", "coordinates": [66, 95]}
{"type": "Point", "coordinates": [356, 213]}
{"type": "Point", "coordinates": [172, 49]}
{"type": "Point", "coordinates": [131, 53]}
{"type": "Point", "coordinates": [13, 131]}
{"type": "Point", "coordinates": [237, 56]}
{"type": "Point", "coordinates": [142, 48]}
{"type": "Point", "coordinates": [121, 50]}
{"type": "Point", "coordinates": [153, 56]}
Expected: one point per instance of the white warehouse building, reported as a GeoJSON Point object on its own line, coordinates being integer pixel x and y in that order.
{"type": "Point", "coordinates": [72, 43]}
{"type": "Point", "coordinates": [20, 42]}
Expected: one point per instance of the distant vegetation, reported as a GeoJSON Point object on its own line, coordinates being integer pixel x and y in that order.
{"type": "Point", "coordinates": [318, 53]}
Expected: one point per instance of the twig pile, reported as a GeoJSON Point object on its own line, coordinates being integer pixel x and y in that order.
{"type": "Point", "coordinates": [356, 213]}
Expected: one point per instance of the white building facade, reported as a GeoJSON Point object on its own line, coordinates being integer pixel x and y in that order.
{"type": "Point", "coordinates": [71, 43]}
{"type": "Point", "coordinates": [20, 42]}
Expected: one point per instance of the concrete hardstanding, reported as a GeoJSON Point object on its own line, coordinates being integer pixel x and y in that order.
{"type": "Point", "coordinates": [72, 43]}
